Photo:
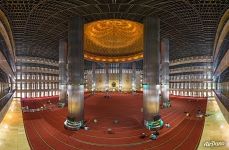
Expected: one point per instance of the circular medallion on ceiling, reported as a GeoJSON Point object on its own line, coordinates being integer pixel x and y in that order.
{"type": "Point", "coordinates": [113, 40]}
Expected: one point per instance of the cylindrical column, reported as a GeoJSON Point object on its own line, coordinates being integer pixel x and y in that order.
{"type": "Point", "coordinates": [40, 85]}
{"type": "Point", "coordinates": [26, 89]}
{"type": "Point", "coordinates": [106, 77]}
{"type": "Point", "coordinates": [30, 85]}
{"type": "Point", "coordinates": [120, 77]}
{"type": "Point", "coordinates": [62, 72]}
{"type": "Point", "coordinates": [151, 64]}
{"type": "Point", "coordinates": [93, 77]}
{"type": "Point", "coordinates": [75, 117]}
{"type": "Point", "coordinates": [165, 72]}
{"type": "Point", "coordinates": [21, 79]}
{"type": "Point", "coordinates": [35, 85]}
{"type": "Point", "coordinates": [133, 77]}
{"type": "Point", "coordinates": [53, 85]}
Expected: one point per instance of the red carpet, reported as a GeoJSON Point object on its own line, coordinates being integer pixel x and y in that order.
{"type": "Point", "coordinates": [45, 129]}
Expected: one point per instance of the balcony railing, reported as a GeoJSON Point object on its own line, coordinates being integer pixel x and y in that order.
{"type": "Point", "coordinates": [192, 69]}
{"type": "Point", "coordinates": [191, 60]}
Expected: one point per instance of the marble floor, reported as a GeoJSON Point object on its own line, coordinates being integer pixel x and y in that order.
{"type": "Point", "coordinates": [12, 132]}
{"type": "Point", "coordinates": [216, 130]}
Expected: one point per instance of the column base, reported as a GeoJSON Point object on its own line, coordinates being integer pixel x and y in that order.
{"type": "Point", "coordinates": [166, 104]}
{"type": "Point", "coordinates": [61, 104]}
{"type": "Point", "coordinates": [71, 124]}
{"type": "Point", "coordinates": [154, 125]}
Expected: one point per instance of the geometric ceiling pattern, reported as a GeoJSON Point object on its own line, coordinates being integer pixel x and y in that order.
{"type": "Point", "coordinates": [38, 25]}
{"type": "Point", "coordinates": [113, 40]}
{"type": "Point", "coordinates": [114, 36]}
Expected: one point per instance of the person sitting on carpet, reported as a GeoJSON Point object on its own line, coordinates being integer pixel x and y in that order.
{"type": "Point", "coordinates": [143, 135]}
{"type": "Point", "coordinates": [153, 137]}
{"type": "Point", "coordinates": [167, 125]}
{"type": "Point", "coordinates": [156, 133]}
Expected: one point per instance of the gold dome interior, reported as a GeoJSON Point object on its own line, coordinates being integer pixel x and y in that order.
{"type": "Point", "coordinates": [113, 40]}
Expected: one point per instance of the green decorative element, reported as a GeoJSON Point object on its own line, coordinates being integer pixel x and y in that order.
{"type": "Point", "coordinates": [71, 124]}
{"type": "Point", "coordinates": [61, 104]}
{"type": "Point", "coordinates": [152, 125]}
{"type": "Point", "coordinates": [145, 86]}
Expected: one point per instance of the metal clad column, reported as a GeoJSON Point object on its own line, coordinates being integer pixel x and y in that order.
{"type": "Point", "coordinates": [35, 85]}
{"type": "Point", "coordinates": [30, 85]}
{"type": "Point", "coordinates": [62, 72]}
{"type": "Point", "coordinates": [151, 64]}
{"type": "Point", "coordinates": [120, 77]}
{"type": "Point", "coordinates": [40, 83]}
{"type": "Point", "coordinates": [133, 76]}
{"type": "Point", "coordinates": [93, 77]}
{"type": "Point", "coordinates": [165, 72]}
{"type": "Point", "coordinates": [75, 117]}
{"type": "Point", "coordinates": [106, 77]}
{"type": "Point", "coordinates": [26, 93]}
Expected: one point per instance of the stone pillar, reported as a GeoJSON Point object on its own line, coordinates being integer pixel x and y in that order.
{"type": "Point", "coordinates": [165, 72]}
{"type": "Point", "coordinates": [106, 77]}
{"type": "Point", "coordinates": [133, 76]}
{"type": "Point", "coordinates": [151, 62]}
{"type": "Point", "coordinates": [75, 118]}
{"type": "Point", "coordinates": [120, 77]}
{"type": "Point", "coordinates": [62, 72]}
{"type": "Point", "coordinates": [93, 77]}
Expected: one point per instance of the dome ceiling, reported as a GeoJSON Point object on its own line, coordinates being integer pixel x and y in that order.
{"type": "Point", "coordinates": [113, 40]}
{"type": "Point", "coordinates": [37, 25]}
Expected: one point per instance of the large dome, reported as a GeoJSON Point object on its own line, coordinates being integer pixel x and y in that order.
{"type": "Point", "coordinates": [113, 40]}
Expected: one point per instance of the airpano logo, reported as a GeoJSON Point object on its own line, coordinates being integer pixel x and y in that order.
{"type": "Point", "coordinates": [214, 143]}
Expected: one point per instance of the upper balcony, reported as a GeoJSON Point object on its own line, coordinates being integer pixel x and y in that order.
{"type": "Point", "coordinates": [186, 60]}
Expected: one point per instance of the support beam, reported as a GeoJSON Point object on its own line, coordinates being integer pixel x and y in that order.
{"type": "Point", "coordinates": [151, 62]}
{"type": "Point", "coordinates": [165, 72]}
{"type": "Point", "coordinates": [75, 118]}
{"type": "Point", "coordinates": [62, 72]}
